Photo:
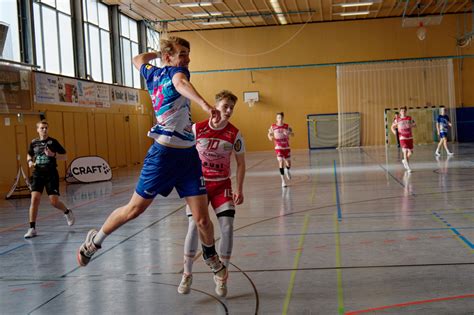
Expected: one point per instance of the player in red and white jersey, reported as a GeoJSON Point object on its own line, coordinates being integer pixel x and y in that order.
{"type": "Point", "coordinates": [404, 124]}
{"type": "Point", "coordinates": [216, 144]}
{"type": "Point", "coordinates": [280, 134]}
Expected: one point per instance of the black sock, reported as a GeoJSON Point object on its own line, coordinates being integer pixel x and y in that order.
{"type": "Point", "coordinates": [282, 171]}
{"type": "Point", "coordinates": [287, 167]}
{"type": "Point", "coordinates": [67, 211]}
{"type": "Point", "coordinates": [208, 251]}
{"type": "Point", "coordinates": [33, 225]}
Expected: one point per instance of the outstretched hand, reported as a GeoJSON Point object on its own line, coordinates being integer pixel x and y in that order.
{"type": "Point", "coordinates": [215, 117]}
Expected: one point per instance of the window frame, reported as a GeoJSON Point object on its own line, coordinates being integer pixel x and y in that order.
{"type": "Point", "coordinates": [41, 5]}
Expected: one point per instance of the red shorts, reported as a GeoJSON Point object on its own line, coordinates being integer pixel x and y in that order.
{"type": "Point", "coordinates": [219, 194]}
{"type": "Point", "coordinates": [283, 154]}
{"type": "Point", "coordinates": [406, 144]}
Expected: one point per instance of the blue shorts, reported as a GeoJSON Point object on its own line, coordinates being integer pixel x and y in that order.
{"type": "Point", "coordinates": [166, 168]}
{"type": "Point", "coordinates": [443, 134]}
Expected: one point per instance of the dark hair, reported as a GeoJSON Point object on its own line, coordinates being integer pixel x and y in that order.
{"type": "Point", "coordinates": [282, 114]}
{"type": "Point", "coordinates": [225, 94]}
{"type": "Point", "coordinates": [403, 107]}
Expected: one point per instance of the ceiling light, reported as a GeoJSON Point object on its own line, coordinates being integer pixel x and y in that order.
{"type": "Point", "coordinates": [197, 15]}
{"type": "Point", "coordinates": [354, 4]}
{"type": "Point", "coordinates": [214, 22]}
{"type": "Point", "coordinates": [353, 13]}
{"type": "Point", "coordinates": [192, 4]}
{"type": "Point", "coordinates": [276, 7]}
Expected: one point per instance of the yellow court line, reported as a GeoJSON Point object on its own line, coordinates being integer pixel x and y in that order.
{"type": "Point", "coordinates": [296, 262]}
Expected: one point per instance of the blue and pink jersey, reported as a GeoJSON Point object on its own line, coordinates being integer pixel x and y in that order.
{"type": "Point", "coordinates": [172, 110]}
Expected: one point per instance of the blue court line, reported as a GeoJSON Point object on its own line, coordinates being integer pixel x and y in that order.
{"type": "Point", "coordinates": [355, 232]}
{"type": "Point", "coordinates": [338, 203]}
{"type": "Point", "coordinates": [12, 249]}
{"type": "Point", "coordinates": [455, 231]}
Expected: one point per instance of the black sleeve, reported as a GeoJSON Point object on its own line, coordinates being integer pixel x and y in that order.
{"type": "Point", "coordinates": [57, 147]}
{"type": "Point", "coordinates": [31, 152]}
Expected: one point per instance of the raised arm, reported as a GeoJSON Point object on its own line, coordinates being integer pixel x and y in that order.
{"type": "Point", "coordinates": [185, 88]}
{"type": "Point", "coordinates": [145, 58]}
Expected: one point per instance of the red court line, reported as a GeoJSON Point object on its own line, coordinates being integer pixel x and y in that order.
{"type": "Point", "coordinates": [13, 227]}
{"type": "Point", "coordinates": [411, 303]}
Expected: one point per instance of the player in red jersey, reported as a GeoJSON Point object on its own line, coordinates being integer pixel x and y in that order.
{"type": "Point", "coordinates": [404, 124]}
{"type": "Point", "coordinates": [215, 145]}
{"type": "Point", "coordinates": [280, 134]}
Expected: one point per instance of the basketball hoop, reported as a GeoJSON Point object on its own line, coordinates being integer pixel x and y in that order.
{"type": "Point", "coordinates": [251, 98]}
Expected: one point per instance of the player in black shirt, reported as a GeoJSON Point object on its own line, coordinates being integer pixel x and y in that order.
{"type": "Point", "coordinates": [42, 155]}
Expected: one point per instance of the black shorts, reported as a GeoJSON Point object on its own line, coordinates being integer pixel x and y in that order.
{"type": "Point", "coordinates": [48, 178]}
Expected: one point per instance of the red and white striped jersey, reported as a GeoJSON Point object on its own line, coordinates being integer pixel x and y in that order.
{"type": "Point", "coordinates": [404, 126]}
{"type": "Point", "coordinates": [281, 136]}
{"type": "Point", "coordinates": [215, 147]}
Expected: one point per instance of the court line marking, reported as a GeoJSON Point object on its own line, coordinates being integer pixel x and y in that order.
{"type": "Point", "coordinates": [41, 305]}
{"type": "Point", "coordinates": [12, 249]}
{"type": "Point", "coordinates": [386, 171]}
{"type": "Point", "coordinates": [129, 237]}
{"type": "Point", "coordinates": [354, 232]}
{"type": "Point", "coordinates": [340, 291]}
{"type": "Point", "coordinates": [296, 262]}
{"type": "Point", "coordinates": [449, 298]}
{"type": "Point", "coordinates": [461, 238]}
{"type": "Point", "coordinates": [13, 227]}
{"type": "Point", "coordinates": [338, 202]}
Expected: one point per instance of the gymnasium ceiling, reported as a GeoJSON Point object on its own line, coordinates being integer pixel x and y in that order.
{"type": "Point", "coordinates": [250, 13]}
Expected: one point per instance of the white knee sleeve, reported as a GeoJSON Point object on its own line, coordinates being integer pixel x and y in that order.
{"type": "Point", "coordinates": [227, 238]}
{"type": "Point", "coordinates": [191, 242]}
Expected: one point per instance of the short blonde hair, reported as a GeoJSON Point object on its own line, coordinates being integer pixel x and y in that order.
{"type": "Point", "coordinates": [228, 95]}
{"type": "Point", "coordinates": [42, 122]}
{"type": "Point", "coordinates": [168, 46]}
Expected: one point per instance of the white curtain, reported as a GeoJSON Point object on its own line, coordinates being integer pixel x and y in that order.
{"type": "Point", "coordinates": [371, 88]}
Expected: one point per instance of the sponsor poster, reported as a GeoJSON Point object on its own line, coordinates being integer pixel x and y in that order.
{"type": "Point", "coordinates": [46, 88]}
{"type": "Point", "coordinates": [86, 92]}
{"type": "Point", "coordinates": [124, 96]}
{"type": "Point", "coordinates": [59, 90]}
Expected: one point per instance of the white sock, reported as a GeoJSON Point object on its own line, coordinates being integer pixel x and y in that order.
{"type": "Point", "coordinates": [191, 244]}
{"type": "Point", "coordinates": [99, 237]}
{"type": "Point", "coordinates": [226, 243]}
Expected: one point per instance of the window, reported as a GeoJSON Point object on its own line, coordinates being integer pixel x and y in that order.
{"type": "Point", "coordinates": [9, 17]}
{"type": "Point", "coordinates": [53, 36]}
{"type": "Point", "coordinates": [97, 37]}
{"type": "Point", "coordinates": [129, 46]}
{"type": "Point", "coordinates": [153, 44]}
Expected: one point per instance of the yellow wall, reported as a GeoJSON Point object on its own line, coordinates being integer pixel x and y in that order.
{"type": "Point", "coordinates": [82, 131]}
{"type": "Point", "coordinates": [303, 91]}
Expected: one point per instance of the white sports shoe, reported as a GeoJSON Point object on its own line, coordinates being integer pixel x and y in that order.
{"type": "Point", "coordinates": [87, 249]}
{"type": "Point", "coordinates": [450, 153]}
{"type": "Point", "coordinates": [221, 286]}
{"type": "Point", "coordinates": [70, 218]}
{"type": "Point", "coordinates": [284, 184]}
{"type": "Point", "coordinates": [31, 233]}
{"type": "Point", "coordinates": [288, 174]}
{"type": "Point", "coordinates": [185, 284]}
{"type": "Point", "coordinates": [438, 154]}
